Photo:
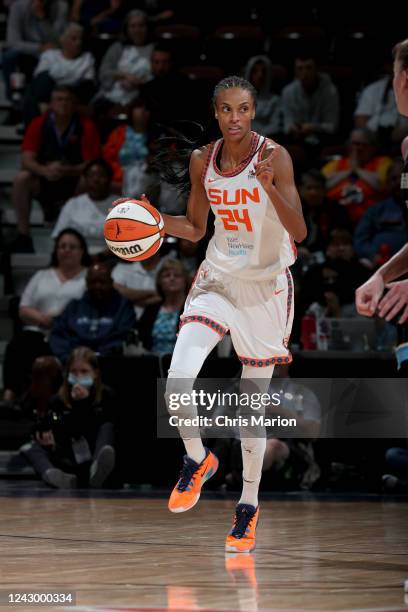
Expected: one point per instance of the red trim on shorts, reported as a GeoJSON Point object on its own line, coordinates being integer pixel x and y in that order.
{"type": "Point", "coordinates": [245, 162]}
{"type": "Point", "coordinates": [264, 363]}
{"type": "Point", "coordinates": [290, 294]}
{"type": "Point", "coordinates": [204, 321]}
{"type": "Point", "coordinates": [207, 161]}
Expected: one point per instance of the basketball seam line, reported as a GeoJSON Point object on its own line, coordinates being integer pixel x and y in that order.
{"type": "Point", "coordinates": [133, 239]}
{"type": "Point", "coordinates": [137, 221]}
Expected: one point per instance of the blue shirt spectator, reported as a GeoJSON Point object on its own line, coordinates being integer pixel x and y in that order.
{"type": "Point", "coordinates": [101, 320]}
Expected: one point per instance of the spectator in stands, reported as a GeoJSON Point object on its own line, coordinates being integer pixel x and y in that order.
{"type": "Point", "coordinates": [100, 16]}
{"type": "Point", "coordinates": [268, 117]}
{"type": "Point", "coordinates": [101, 319]}
{"type": "Point", "coordinates": [376, 109]}
{"type": "Point", "coordinates": [310, 105]}
{"type": "Point", "coordinates": [382, 230]}
{"type": "Point", "coordinates": [357, 180]}
{"type": "Point", "coordinates": [126, 64]}
{"type": "Point", "coordinates": [291, 462]}
{"type": "Point", "coordinates": [44, 298]}
{"type": "Point", "coordinates": [136, 281]}
{"type": "Point", "coordinates": [87, 212]}
{"type": "Point", "coordinates": [321, 216]}
{"type": "Point", "coordinates": [33, 26]}
{"type": "Point", "coordinates": [159, 323]}
{"type": "Point", "coordinates": [56, 148]}
{"type": "Point", "coordinates": [46, 379]}
{"type": "Point", "coordinates": [127, 147]}
{"type": "Point", "coordinates": [74, 442]}
{"type": "Point", "coordinates": [69, 65]}
{"type": "Point", "coordinates": [332, 284]}
{"type": "Point", "coordinates": [165, 109]}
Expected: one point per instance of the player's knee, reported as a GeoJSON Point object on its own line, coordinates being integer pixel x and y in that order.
{"type": "Point", "coordinates": [186, 371]}
{"type": "Point", "coordinates": [176, 386]}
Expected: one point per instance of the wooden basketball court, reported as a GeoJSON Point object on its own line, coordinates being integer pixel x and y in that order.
{"type": "Point", "coordinates": [132, 554]}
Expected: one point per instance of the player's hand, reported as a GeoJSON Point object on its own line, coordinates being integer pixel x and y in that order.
{"type": "Point", "coordinates": [121, 200]}
{"type": "Point", "coordinates": [368, 295]}
{"type": "Point", "coordinates": [145, 199]}
{"type": "Point", "coordinates": [394, 301]}
{"type": "Point", "coordinates": [117, 202]}
{"type": "Point", "coordinates": [264, 170]}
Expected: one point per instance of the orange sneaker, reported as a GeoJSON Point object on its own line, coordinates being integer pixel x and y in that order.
{"type": "Point", "coordinates": [242, 536]}
{"type": "Point", "coordinates": [193, 475]}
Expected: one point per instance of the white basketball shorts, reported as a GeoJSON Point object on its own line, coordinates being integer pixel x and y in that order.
{"type": "Point", "coordinates": [258, 314]}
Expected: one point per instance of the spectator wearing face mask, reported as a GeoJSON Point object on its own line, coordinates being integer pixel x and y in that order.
{"type": "Point", "coordinates": [73, 443]}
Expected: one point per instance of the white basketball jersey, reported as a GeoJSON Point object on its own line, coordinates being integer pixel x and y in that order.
{"type": "Point", "coordinates": [249, 240]}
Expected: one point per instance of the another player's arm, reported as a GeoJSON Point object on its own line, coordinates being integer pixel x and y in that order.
{"type": "Point", "coordinates": [275, 173]}
{"type": "Point", "coordinates": [396, 266]}
{"type": "Point", "coordinates": [193, 225]}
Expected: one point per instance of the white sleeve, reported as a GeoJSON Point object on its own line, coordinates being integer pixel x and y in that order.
{"type": "Point", "coordinates": [29, 297]}
{"type": "Point", "coordinates": [59, 69]}
{"type": "Point", "coordinates": [64, 218]}
{"type": "Point", "coordinates": [119, 274]}
{"type": "Point", "coordinates": [89, 72]}
{"type": "Point", "coordinates": [46, 62]}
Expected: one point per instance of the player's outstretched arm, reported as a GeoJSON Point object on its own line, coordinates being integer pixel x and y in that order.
{"type": "Point", "coordinates": [275, 173]}
{"type": "Point", "coordinates": [192, 226]}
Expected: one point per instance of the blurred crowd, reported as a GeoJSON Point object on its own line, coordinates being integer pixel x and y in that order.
{"type": "Point", "coordinates": [93, 87]}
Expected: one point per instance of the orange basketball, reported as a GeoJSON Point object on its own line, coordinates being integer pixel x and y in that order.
{"type": "Point", "coordinates": [133, 229]}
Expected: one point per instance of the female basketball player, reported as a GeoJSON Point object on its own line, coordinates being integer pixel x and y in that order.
{"type": "Point", "coordinates": [243, 285]}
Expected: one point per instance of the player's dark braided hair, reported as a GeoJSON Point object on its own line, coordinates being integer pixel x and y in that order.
{"type": "Point", "coordinates": [172, 161]}
{"type": "Point", "coordinates": [231, 82]}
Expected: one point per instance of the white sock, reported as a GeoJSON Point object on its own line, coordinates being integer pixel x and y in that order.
{"type": "Point", "coordinates": [249, 493]}
{"type": "Point", "coordinates": [253, 449]}
{"type": "Point", "coordinates": [195, 449]}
